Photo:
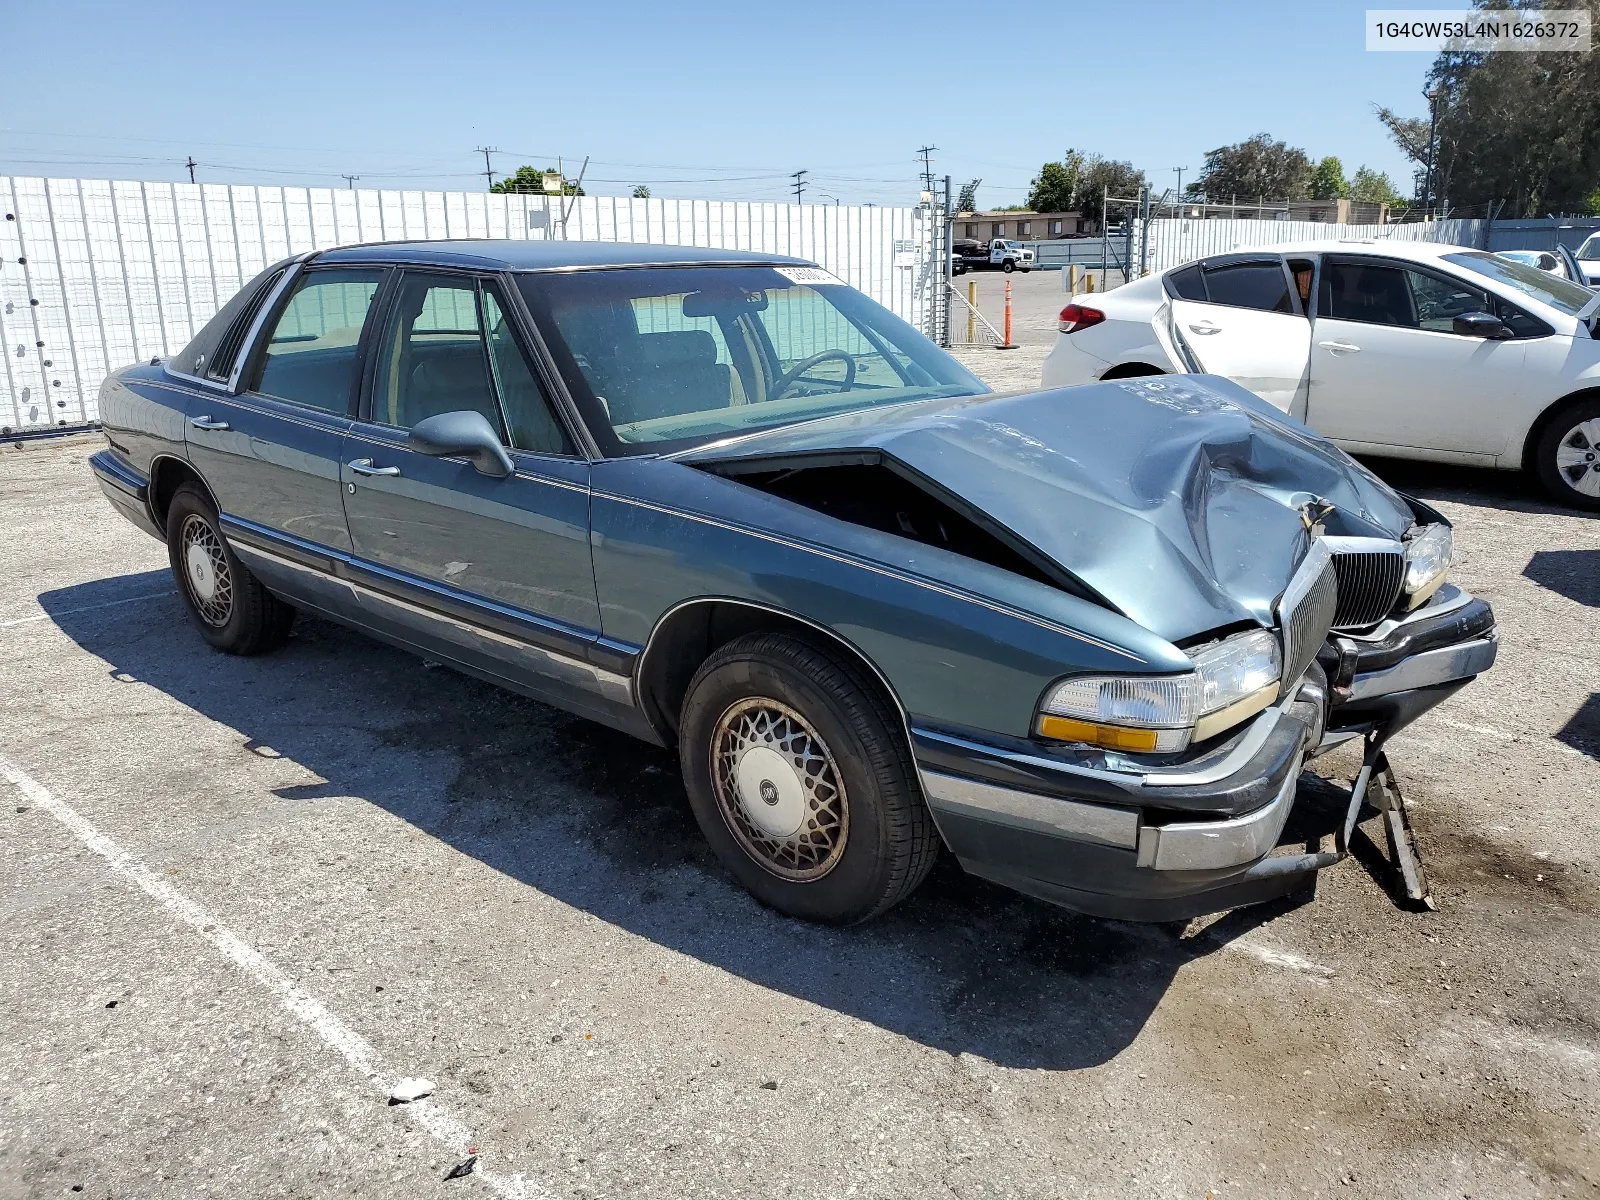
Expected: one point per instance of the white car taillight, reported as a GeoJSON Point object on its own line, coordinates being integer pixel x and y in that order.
{"type": "Point", "coordinates": [1078, 316]}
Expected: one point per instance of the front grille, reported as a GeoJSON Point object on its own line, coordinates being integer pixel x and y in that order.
{"type": "Point", "coordinates": [1369, 585]}
{"type": "Point", "coordinates": [1306, 612]}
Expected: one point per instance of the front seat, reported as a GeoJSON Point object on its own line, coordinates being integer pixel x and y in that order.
{"type": "Point", "coordinates": [672, 373]}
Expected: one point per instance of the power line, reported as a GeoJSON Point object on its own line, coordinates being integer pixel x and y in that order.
{"type": "Point", "coordinates": [799, 178]}
{"type": "Point", "coordinates": [191, 164]}
{"type": "Point", "coordinates": [351, 180]}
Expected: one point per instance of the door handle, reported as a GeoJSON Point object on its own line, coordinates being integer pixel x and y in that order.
{"type": "Point", "coordinates": [1206, 328]}
{"type": "Point", "coordinates": [207, 423]}
{"type": "Point", "coordinates": [363, 466]}
{"type": "Point", "coordinates": [1341, 347]}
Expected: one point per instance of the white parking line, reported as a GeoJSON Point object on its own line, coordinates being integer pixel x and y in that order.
{"type": "Point", "coordinates": [335, 1034]}
{"type": "Point", "coordinates": [46, 616]}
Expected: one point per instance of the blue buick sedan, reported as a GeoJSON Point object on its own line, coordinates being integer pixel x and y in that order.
{"type": "Point", "coordinates": [1086, 639]}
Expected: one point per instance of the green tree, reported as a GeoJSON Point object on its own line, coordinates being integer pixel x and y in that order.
{"type": "Point", "coordinates": [641, 191]}
{"type": "Point", "coordinates": [1594, 202]}
{"type": "Point", "coordinates": [528, 181]}
{"type": "Point", "coordinates": [1518, 130]}
{"type": "Point", "coordinates": [1055, 187]}
{"type": "Point", "coordinates": [968, 200]}
{"type": "Point", "coordinates": [1373, 187]}
{"type": "Point", "coordinates": [1101, 176]}
{"type": "Point", "coordinates": [1256, 168]}
{"type": "Point", "coordinates": [1327, 180]}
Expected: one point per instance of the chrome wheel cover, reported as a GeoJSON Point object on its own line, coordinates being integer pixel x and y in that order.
{"type": "Point", "coordinates": [1578, 458]}
{"type": "Point", "coordinates": [779, 790]}
{"type": "Point", "coordinates": [206, 574]}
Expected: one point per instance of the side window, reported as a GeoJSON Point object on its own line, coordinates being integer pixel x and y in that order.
{"type": "Point", "coordinates": [432, 358]}
{"type": "Point", "coordinates": [1366, 292]}
{"type": "Point", "coordinates": [1261, 286]}
{"type": "Point", "coordinates": [1439, 302]}
{"type": "Point", "coordinates": [1187, 284]}
{"type": "Point", "coordinates": [533, 426]}
{"type": "Point", "coordinates": [227, 352]}
{"type": "Point", "coordinates": [311, 353]}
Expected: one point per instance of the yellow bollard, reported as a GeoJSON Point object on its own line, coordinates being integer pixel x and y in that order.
{"type": "Point", "coordinates": [1072, 279]}
{"type": "Point", "coordinates": [1089, 284]}
{"type": "Point", "coordinates": [972, 311]}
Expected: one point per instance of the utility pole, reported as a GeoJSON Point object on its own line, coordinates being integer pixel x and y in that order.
{"type": "Point", "coordinates": [1180, 170]}
{"type": "Point", "coordinates": [351, 180]}
{"type": "Point", "coordinates": [927, 168]}
{"type": "Point", "coordinates": [191, 164]}
{"type": "Point", "coordinates": [488, 167]}
{"type": "Point", "coordinates": [1433, 129]}
{"type": "Point", "coordinates": [799, 178]}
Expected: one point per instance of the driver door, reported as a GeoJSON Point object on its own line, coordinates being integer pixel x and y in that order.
{"type": "Point", "coordinates": [494, 573]}
{"type": "Point", "coordinates": [1242, 319]}
{"type": "Point", "coordinates": [1388, 371]}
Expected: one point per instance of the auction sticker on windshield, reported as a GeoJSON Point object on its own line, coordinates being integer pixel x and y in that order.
{"type": "Point", "coordinates": [808, 276]}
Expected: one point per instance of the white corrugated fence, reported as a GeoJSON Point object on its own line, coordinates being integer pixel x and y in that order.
{"type": "Point", "coordinates": [96, 274]}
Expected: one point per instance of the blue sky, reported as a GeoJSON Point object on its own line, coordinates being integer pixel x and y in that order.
{"type": "Point", "coordinates": [695, 99]}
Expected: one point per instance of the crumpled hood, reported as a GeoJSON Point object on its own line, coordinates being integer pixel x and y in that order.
{"type": "Point", "coordinates": [1176, 498]}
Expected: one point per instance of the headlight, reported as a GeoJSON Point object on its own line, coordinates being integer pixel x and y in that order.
{"type": "Point", "coordinates": [1427, 562]}
{"type": "Point", "coordinates": [1231, 680]}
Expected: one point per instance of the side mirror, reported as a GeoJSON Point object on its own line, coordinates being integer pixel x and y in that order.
{"type": "Point", "coordinates": [466, 433]}
{"type": "Point", "coordinates": [1482, 325]}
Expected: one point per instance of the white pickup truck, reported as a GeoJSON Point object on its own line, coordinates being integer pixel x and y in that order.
{"type": "Point", "coordinates": [1007, 255]}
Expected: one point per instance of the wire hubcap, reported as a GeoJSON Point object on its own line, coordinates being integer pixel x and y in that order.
{"type": "Point", "coordinates": [1575, 457]}
{"type": "Point", "coordinates": [779, 790]}
{"type": "Point", "coordinates": [206, 572]}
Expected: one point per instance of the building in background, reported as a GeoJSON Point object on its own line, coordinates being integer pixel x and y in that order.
{"type": "Point", "coordinates": [1022, 226]}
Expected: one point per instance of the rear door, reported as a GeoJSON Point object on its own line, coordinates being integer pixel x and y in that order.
{"type": "Point", "coordinates": [270, 454]}
{"type": "Point", "coordinates": [495, 573]}
{"type": "Point", "coordinates": [1388, 369]}
{"type": "Point", "coordinates": [1241, 319]}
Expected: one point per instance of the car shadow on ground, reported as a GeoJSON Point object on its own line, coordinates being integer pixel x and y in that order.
{"type": "Point", "coordinates": [1480, 487]}
{"type": "Point", "coordinates": [599, 821]}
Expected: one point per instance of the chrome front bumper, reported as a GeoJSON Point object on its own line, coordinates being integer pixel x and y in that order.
{"type": "Point", "coordinates": [1157, 843]}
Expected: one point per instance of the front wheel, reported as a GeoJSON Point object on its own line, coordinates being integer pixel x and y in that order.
{"type": "Point", "coordinates": [800, 779]}
{"type": "Point", "coordinates": [1008, 266]}
{"type": "Point", "coordinates": [226, 603]}
{"type": "Point", "coordinates": [1567, 456]}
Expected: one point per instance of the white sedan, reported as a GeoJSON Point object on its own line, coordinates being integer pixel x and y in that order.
{"type": "Point", "coordinates": [1404, 349]}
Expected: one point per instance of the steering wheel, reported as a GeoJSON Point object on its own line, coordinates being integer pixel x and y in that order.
{"type": "Point", "coordinates": [783, 384]}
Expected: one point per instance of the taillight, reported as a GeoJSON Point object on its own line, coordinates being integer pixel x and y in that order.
{"type": "Point", "coordinates": [1077, 316]}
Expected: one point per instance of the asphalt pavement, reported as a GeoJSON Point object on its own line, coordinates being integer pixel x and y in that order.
{"type": "Point", "coordinates": [241, 898]}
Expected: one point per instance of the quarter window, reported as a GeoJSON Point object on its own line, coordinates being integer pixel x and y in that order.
{"type": "Point", "coordinates": [311, 354]}
{"type": "Point", "coordinates": [1261, 286]}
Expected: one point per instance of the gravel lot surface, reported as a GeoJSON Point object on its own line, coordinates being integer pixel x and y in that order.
{"type": "Point", "coordinates": [241, 898]}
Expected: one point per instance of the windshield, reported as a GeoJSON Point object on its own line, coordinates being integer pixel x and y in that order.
{"type": "Point", "coordinates": [1591, 247]}
{"type": "Point", "coordinates": [1541, 285]}
{"type": "Point", "coordinates": [676, 356]}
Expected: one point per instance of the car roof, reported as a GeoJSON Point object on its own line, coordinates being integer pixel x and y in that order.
{"type": "Point", "coordinates": [501, 254]}
{"type": "Point", "coordinates": [1388, 247]}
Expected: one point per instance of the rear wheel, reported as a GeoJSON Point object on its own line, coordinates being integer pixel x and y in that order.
{"type": "Point", "coordinates": [1567, 456]}
{"type": "Point", "coordinates": [227, 604]}
{"type": "Point", "coordinates": [800, 780]}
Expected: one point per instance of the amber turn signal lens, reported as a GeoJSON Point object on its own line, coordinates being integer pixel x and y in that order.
{"type": "Point", "coordinates": [1113, 737]}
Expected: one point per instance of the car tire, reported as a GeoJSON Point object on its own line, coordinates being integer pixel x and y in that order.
{"type": "Point", "coordinates": [226, 603]}
{"type": "Point", "coordinates": [1008, 266]}
{"type": "Point", "coordinates": [801, 780]}
{"type": "Point", "coordinates": [1566, 457]}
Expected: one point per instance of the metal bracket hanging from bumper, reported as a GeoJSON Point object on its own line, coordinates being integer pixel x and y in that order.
{"type": "Point", "coordinates": [1378, 777]}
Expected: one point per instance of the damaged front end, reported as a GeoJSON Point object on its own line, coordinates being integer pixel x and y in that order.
{"type": "Point", "coordinates": [1309, 600]}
